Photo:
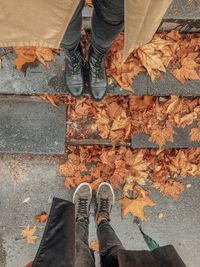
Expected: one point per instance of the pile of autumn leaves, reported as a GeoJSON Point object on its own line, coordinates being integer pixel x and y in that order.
{"type": "Point", "coordinates": [132, 171]}
{"type": "Point", "coordinates": [175, 52]}
{"type": "Point", "coordinates": [119, 118]}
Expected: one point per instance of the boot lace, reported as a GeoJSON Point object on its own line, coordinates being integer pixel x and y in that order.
{"type": "Point", "coordinates": [98, 70]}
{"type": "Point", "coordinates": [76, 60]}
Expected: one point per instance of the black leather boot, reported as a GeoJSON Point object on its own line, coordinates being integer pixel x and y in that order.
{"type": "Point", "coordinates": [74, 71]}
{"type": "Point", "coordinates": [97, 74]}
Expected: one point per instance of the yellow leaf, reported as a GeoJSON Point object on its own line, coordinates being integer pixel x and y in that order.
{"type": "Point", "coordinates": [94, 245]}
{"type": "Point", "coordinates": [195, 134]}
{"type": "Point", "coordinates": [170, 188]}
{"type": "Point", "coordinates": [41, 218]}
{"type": "Point", "coordinates": [136, 206]}
{"type": "Point", "coordinates": [28, 233]}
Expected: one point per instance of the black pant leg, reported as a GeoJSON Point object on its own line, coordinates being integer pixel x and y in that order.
{"type": "Point", "coordinates": [57, 247]}
{"type": "Point", "coordinates": [84, 256]}
{"type": "Point", "coordinates": [109, 245]}
{"type": "Point", "coordinates": [107, 22]}
{"type": "Point", "coordinates": [73, 33]}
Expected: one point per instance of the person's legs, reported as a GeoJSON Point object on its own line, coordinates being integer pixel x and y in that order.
{"type": "Point", "coordinates": [109, 242]}
{"type": "Point", "coordinates": [107, 22]}
{"type": "Point", "coordinates": [74, 70]}
{"type": "Point", "coordinates": [84, 256]}
{"type": "Point", "coordinates": [82, 199]}
{"type": "Point", "coordinates": [72, 35]}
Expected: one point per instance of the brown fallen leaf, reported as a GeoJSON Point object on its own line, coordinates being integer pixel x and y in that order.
{"type": "Point", "coordinates": [28, 54]}
{"type": "Point", "coordinates": [28, 233]}
{"type": "Point", "coordinates": [53, 99]}
{"type": "Point", "coordinates": [170, 188]}
{"type": "Point", "coordinates": [188, 70]}
{"type": "Point", "coordinates": [89, 3]}
{"type": "Point", "coordinates": [41, 218]}
{"type": "Point", "coordinates": [94, 245]}
{"type": "Point", "coordinates": [136, 206]}
{"type": "Point", "coordinates": [195, 134]}
{"type": "Point", "coordinates": [24, 55]}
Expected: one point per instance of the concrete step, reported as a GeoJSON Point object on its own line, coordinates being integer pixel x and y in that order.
{"type": "Point", "coordinates": [37, 79]}
{"type": "Point", "coordinates": [31, 125]}
{"type": "Point", "coordinates": [183, 15]}
{"type": "Point", "coordinates": [165, 86]}
{"type": "Point", "coordinates": [181, 140]}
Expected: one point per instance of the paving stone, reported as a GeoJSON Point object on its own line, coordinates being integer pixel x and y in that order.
{"type": "Point", "coordinates": [181, 140]}
{"type": "Point", "coordinates": [183, 15]}
{"type": "Point", "coordinates": [37, 79]}
{"type": "Point", "coordinates": [165, 86]}
{"type": "Point", "coordinates": [31, 125]}
{"type": "Point", "coordinates": [169, 85]}
{"type": "Point", "coordinates": [183, 9]}
{"type": "Point", "coordinates": [21, 200]}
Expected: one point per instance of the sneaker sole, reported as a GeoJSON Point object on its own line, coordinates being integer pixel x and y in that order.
{"type": "Point", "coordinates": [107, 184]}
{"type": "Point", "coordinates": [80, 185]}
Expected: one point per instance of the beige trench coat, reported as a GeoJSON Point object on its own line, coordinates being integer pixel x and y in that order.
{"type": "Point", "coordinates": [44, 22]}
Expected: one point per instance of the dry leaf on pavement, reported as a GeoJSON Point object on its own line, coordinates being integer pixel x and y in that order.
{"type": "Point", "coordinates": [28, 54]}
{"type": "Point", "coordinates": [94, 245]}
{"type": "Point", "coordinates": [41, 218]}
{"type": "Point", "coordinates": [195, 134]}
{"type": "Point", "coordinates": [28, 233]}
{"type": "Point", "coordinates": [170, 188]}
{"type": "Point", "coordinates": [136, 206]}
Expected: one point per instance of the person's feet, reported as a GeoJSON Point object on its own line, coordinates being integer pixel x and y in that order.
{"type": "Point", "coordinates": [74, 71]}
{"type": "Point", "coordinates": [105, 200]}
{"type": "Point", "coordinates": [97, 74]}
{"type": "Point", "coordinates": [82, 200]}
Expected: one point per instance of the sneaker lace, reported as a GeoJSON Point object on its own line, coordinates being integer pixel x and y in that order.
{"type": "Point", "coordinates": [82, 206]}
{"type": "Point", "coordinates": [104, 205]}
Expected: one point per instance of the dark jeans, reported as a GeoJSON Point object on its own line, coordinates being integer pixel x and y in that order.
{"type": "Point", "coordinates": [107, 23]}
{"type": "Point", "coordinates": [108, 241]}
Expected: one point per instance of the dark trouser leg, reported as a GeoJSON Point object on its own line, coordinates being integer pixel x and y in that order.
{"type": "Point", "coordinates": [84, 256]}
{"type": "Point", "coordinates": [107, 22]}
{"type": "Point", "coordinates": [72, 35]}
{"type": "Point", "coordinates": [109, 245]}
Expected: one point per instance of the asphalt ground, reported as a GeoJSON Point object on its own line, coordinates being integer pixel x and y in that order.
{"type": "Point", "coordinates": [28, 184]}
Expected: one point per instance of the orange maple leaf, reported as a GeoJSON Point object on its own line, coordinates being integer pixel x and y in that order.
{"type": "Point", "coordinates": [94, 245]}
{"type": "Point", "coordinates": [188, 68]}
{"type": "Point", "coordinates": [41, 218]}
{"type": "Point", "coordinates": [170, 188]}
{"type": "Point", "coordinates": [89, 3]}
{"type": "Point", "coordinates": [28, 233]}
{"type": "Point", "coordinates": [195, 134]}
{"type": "Point", "coordinates": [28, 54]}
{"type": "Point", "coordinates": [136, 206]}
